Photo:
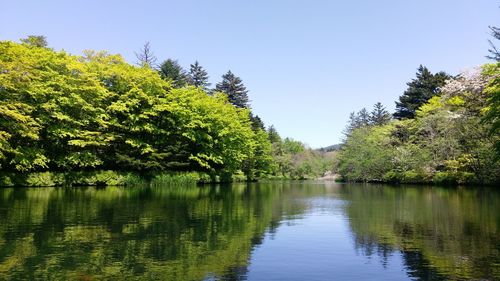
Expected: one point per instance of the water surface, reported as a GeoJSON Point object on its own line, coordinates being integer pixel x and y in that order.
{"type": "Point", "coordinates": [266, 231]}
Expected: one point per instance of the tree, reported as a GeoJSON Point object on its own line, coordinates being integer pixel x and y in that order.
{"type": "Point", "coordinates": [198, 76]}
{"type": "Point", "coordinates": [419, 91]}
{"type": "Point", "coordinates": [352, 124]}
{"type": "Point", "coordinates": [366, 154]}
{"type": "Point", "coordinates": [363, 117]}
{"type": "Point", "coordinates": [233, 87]}
{"type": "Point", "coordinates": [113, 116]}
{"type": "Point", "coordinates": [273, 135]}
{"type": "Point", "coordinates": [257, 123]}
{"type": "Point", "coordinates": [146, 57]}
{"type": "Point", "coordinates": [494, 52]}
{"type": "Point", "coordinates": [36, 41]}
{"type": "Point", "coordinates": [492, 111]}
{"type": "Point", "coordinates": [379, 115]}
{"type": "Point", "coordinates": [171, 70]}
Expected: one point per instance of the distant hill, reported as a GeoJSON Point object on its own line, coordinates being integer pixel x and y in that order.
{"type": "Point", "coordinates": [334, 147]}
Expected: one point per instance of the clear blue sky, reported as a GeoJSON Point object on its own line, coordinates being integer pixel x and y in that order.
{"type": "Point", "coordinates": [307, 64]}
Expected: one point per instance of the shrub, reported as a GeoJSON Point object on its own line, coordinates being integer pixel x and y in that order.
{"type": "Point", "coordinates": [447, 178]}
{"type": "Point", "coordinates": [412, 177]}
{"type": "Point", "coordinates": [392, 177]}
{"type": "Point", "coordinates": [43, 179]}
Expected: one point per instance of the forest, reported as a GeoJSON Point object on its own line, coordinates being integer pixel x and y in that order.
{"type": "Point", "coordinates": [445, 131]}
{"type": "Point", "coordinates": [96, 119]}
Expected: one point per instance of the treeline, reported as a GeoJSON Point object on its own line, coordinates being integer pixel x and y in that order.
{"type": "Point", "coordinates": [61, 113]}
{"type": "Point", "coordinates": [445, 130]}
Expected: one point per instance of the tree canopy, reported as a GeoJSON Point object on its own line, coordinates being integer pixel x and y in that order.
{"type": "Point", "coordinates": [64, 112]}
{"type": "Point", "coordinates": [451, 139]}
{"type": "Point", "coordinates": [198, 76]}
{"type": "Point", "coordinates": [420, 90]}
{"type": "Point", "coordinates": [171, 70]}
{"type": "Point", "coordinates": [233, 87]}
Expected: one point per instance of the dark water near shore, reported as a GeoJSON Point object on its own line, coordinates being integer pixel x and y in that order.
{"type": "Point", "coordinates": [267, 231]}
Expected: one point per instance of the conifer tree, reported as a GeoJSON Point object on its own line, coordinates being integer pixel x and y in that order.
{"type": "Point", "coordinates": [233, 87]}
{"type": "Point", "coordinates": [257, 123]}
{"type": "Point", "coordinates": [363, 117]}
{"type": "Point", "coordinates": [171, 70]}
{"type": "Point", "coordinates": [419, 91]}
{"type": "Point", "coordinates": [198, 76]}
{"type": "Point", "coordinates": [273, 135]}
{"type": "Point", "coordinates": [379, 115]}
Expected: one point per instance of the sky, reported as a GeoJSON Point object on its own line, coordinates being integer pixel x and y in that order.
{"type": "Point", "coordinates": [306, 64]}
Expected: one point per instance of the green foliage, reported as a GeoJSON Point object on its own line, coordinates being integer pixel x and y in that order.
{"type": "Point", "coordinates": [448, 142]}
{"type": "Point", "coordinates": [198, 76]}
{"type": "Point", "coordinates": [35, 41]}
{"type": "Point", "coordinates": [379, 115]}
{"type": "Point", "coordinates": [492, 110]}
{"type": "Point", "coordinates": [260, 163]}
{"type": "Point", "coordinates": [171, 70]}
{"type": "Point", "coordinates": [293, 160]}
{"type": "Point", "coordinates": [60, 112]}
{"type": "Point", "coordinates": [233, 87]}
{"type": "Point", "coordinates": [419, 91]}
{"type": "Point", "coordinates": [366, 155]}
{"type": "Point", "coordinates": [184, 179]}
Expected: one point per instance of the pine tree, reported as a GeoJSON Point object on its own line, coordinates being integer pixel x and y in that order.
{"type": "Point", "coordinates": [198, 76]}
{"type": "Point", "coordinates": [273, 135]}
{"type": "Point", "coordinates": [257, 123]}
{"type": "Point", "coordinates": [233, 87]}
{"type": "Point", "coordinates": [379, 115]}
{"type": "Point", "coordinates": [146, 57]}
{"type": "Point", "coordinates": [352, 124]}
{"type": "Point", "coordinates": [419, 91]}
{"type": "Point", "coordinates": [363, 117]}
{"type": "Point", "coordinates": [171, 70]}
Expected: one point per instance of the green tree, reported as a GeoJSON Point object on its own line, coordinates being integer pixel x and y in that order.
{"type": "Point", "coordinates": [198, 76]}
{"type": "Point", "coordinates": [363, 117]}
{"type": "Point", "coordinates": [357, 120]}
{"type": "Point", "coordinates": [379, 115]}
{"type": "Point", "coordinates": [233, 87]}
{"type": "Point", "coordinates": [36, 41]}
{"type": "Point", "coordinates": [172, 71]}
{"type": "Point", "coordinates": [257, 123]}
{"type": "Point", "coordinates": [273, 134]}
{"type": "Point", "coordinates": [492, 110]}
{"type": "Point", "coordinates": [366, 154]}
{"type": "Point", "coordinates": [260, 164]}
{"type": "Point", "coordinates": [60, 112]}
{"type": "Point", "coordinates": [420, 90]}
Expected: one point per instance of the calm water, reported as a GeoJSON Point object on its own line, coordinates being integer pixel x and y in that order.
{"type": "Point", "coordinates": [274, 231]}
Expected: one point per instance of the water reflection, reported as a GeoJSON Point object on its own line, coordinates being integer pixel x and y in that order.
{"type": "Point", "coordinates": [238, 232]}
{"type": "Point", "coordinates": [441, 233]}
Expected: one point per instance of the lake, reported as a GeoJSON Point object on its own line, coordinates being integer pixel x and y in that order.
{"type": "Point", "coordinates": [262, 231]}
